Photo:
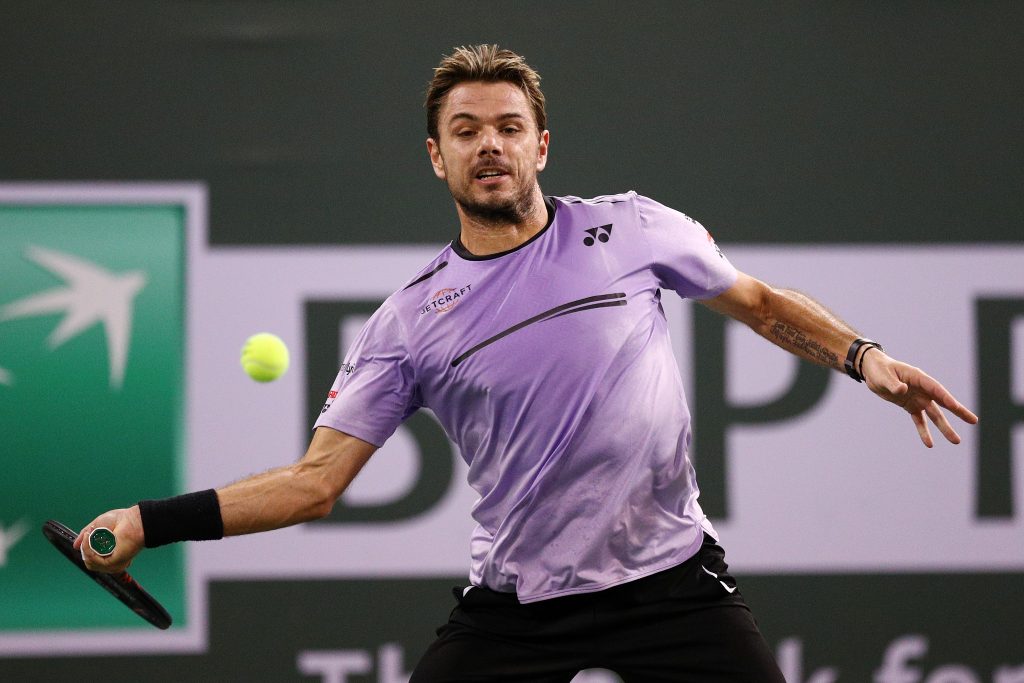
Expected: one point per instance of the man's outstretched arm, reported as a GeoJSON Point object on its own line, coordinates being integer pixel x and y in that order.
{"type": "Point", "coordinates": [300, 492]}
{"type": "Point", "coordinates": [800, 325]}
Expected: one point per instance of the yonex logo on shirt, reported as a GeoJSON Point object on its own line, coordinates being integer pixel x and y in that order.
{"type": "Point", "coordinates": [445, 299]}
{"type": "Point", "coordinates": [601, 233]}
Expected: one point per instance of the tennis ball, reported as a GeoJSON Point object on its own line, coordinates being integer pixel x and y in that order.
{"type": "Point", "coordinates": [264, 357]}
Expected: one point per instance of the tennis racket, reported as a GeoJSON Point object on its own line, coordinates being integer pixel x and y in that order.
{"type": "Point", "coordinates": [122, 586]}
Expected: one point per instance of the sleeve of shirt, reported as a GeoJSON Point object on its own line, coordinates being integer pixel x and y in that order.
{"type": "Point", "coordinates": [685, 257]}
{"type": "Point", "coordinates": [375, 390]}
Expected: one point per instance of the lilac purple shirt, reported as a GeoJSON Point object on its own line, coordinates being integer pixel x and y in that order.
{"type": "Point", "coordinates": [550, 367]}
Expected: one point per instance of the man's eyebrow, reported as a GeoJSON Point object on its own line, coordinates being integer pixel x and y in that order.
{"type": "Point", "coordinates": [470, 117]}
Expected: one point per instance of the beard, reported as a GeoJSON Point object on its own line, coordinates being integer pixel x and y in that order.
{"type": "Point", "coordinates": [496, 210]}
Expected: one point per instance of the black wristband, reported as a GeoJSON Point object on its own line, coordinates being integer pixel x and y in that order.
{"type": "Point", "coordinates": [189, 517]}
{"type": "Point", "coordinates": [851, 357]}
{"type": "Point", "coordinates": [860, 362]}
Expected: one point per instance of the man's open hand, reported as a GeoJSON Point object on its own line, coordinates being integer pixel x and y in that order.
{"type": "Point", "coordinates": [917, 393]}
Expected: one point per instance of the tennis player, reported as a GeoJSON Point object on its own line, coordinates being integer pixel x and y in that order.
{"type": "Point", "coordinates": [538, 339]}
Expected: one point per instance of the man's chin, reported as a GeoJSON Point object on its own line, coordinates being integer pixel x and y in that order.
{"type": "Point", "coordinates": [493, 212]}
{"type": "Point", "coordinates": [501, 205]}
{"type": "Point", "coordinates": [496, 206]}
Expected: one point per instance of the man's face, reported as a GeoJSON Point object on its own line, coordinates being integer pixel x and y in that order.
{"type": "Point", "coordinates": [490, 150]}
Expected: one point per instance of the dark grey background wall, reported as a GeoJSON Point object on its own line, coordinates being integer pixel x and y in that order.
{"type": "Point", "coordinates": [769, 122]}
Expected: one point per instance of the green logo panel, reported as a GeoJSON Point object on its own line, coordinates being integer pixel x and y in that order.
{"type": "Point", "coordinates": [91, 397]}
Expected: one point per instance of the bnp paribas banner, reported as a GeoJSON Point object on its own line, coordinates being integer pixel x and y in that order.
{"type": "Point", "coordinates": [865, 556]}
{"type": "Point", "coordinates": [92, 397]}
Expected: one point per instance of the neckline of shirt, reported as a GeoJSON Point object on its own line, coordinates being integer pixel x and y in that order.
{"type": "Point", "coordinates": [464, 253]}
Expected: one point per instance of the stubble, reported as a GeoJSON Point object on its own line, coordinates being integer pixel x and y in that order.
{"type": "Point", "coordinates": [513, 210]}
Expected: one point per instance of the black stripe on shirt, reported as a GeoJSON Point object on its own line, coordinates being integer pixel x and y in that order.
{"type": "Point", "coordinates": [429, 275]}
{"type": "Point", "coordinates": [557, 311]}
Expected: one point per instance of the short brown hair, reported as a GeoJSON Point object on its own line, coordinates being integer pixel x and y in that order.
{"type": "Point", "coordinates": [486, 63]}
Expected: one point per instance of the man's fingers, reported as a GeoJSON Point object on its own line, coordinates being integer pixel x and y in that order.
{"type": "Point", "coordinates": [92, 560]}
{"type": "Point", "coordinates": [97, 563]}
{"type": "Point", "coordinates": [924, 398]}
{"type": "Point", "coordinates": [88, 554]}
{"type": "Point", "coordinates": [962, 412]}
{"type": "Point", "coordinates": [949, 402]}
{"type": "Point", "coordinates": [922, 428]}
{"type": "Point", "coordinates": [944, 398]}
{"type": "Point", "coordinates": [939, 418]}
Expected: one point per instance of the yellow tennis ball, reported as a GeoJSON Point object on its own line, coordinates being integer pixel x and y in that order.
{"type": "Point", "coordinates": [264, 357]}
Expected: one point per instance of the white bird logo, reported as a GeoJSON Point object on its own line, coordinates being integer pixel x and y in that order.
{"type": "Point", "coordinates": [8, 537]}
{"type": "Point", "coordinates": [93, 294]}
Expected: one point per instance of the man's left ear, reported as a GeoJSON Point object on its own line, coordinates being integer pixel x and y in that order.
{"type": "Point", "coordinates": [436, 160]}
{"type": "Point", "coordinates": [542, 150]}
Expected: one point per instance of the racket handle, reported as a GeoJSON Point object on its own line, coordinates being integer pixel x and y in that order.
{"type": "Point", "coordinates": [102, 541]}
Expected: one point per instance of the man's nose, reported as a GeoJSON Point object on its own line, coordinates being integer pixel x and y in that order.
{"type": "Point", "coordinates": [490, 144]}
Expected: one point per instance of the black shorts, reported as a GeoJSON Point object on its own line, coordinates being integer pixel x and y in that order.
{"type": "Point", "coordinates": [687, 624]}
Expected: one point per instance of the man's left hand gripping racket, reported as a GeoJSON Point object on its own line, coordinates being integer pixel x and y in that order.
{"type": "Point", "coordinates": [122, 586]}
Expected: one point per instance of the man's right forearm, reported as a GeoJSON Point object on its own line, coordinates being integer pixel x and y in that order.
{"type": "Point", "coordinates": [297, 493]}
{"type": "Point", "coordinates": [281, 497]}
{"type": "Point", "coordinates": [287, 495]}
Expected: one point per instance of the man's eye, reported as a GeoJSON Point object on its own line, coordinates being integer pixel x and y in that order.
{"type": "Point", "coordinates": [464, 133]}
{"type": "Point", "coordinates": [511, 130]}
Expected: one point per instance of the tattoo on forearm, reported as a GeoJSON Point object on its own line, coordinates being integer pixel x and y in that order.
{"type": "Point", "coordinates": [794, 338]}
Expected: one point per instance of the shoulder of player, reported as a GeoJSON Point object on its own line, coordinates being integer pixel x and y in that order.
{"type": "Point", "coordinates": [618, 209]}
{"type": "Point", "coordinates": [608, 199]}
{"type": "Point", "coordinates": [632, 210]}
{"type": "Point", "coordinates": [652, 211]}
